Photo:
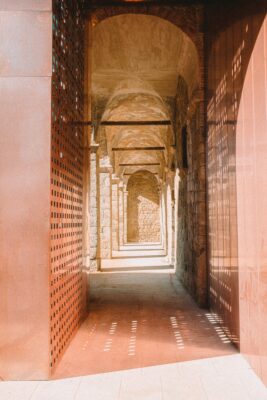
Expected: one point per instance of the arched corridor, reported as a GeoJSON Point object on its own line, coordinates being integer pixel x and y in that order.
{"type": "Point", "coordinates": [135, 153]}
{"type": "Point", "coordinates": [133, 175]}
{"type": "Point", "coordinates": [143, 208]}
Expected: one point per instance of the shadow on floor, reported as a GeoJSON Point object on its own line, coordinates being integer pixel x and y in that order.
{"type": "Point", "coordinates": [138, 320]}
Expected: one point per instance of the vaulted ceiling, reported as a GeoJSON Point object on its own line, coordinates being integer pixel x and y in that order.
{"type": "Point", "coordinates": [136, 62]}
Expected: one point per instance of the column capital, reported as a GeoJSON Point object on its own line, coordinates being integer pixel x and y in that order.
{"type": "Point", "coordinates": [171, 174]}
{"type": "Point", "coordinates": [115, 179]}
{"type": "Point", "coordinates": [106, 169]}
{"type": "Point", "coordinates": [94, 147]}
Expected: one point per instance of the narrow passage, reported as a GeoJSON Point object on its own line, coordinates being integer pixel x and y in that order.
{"type": "Point", "coordinates": [140, 319]}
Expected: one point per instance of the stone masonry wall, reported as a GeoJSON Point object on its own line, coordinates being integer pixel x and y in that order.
{"type": "Point", "coordinates": [143, 208]}
{"type": "Point", "coordinates": [191, 238]}
{"type": "Point", "coordinates": [105, 213]}
{"type": "Point", "coordinates": [190, 112]}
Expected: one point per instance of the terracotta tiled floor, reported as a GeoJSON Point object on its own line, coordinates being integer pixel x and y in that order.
{"type": "Point", "coordinates": [140, 328]}
{"type": "Point", "coordinates": [138, 320]}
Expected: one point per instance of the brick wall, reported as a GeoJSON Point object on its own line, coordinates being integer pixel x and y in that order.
{"type": "Point", "coordinates": [67, 280]}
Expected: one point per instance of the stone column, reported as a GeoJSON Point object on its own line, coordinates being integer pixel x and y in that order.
{"type": "Point", "coordinates": [169, 222]}
{"type": "Point", "coordinates": [93, 209]}
{"type": "Point", "coordinates": [125, 200]}
{"type": "Point", "coordinates": [104, 250]}
{"type": "Point", "coordinates": [176, 202]}
{"type": "Point", "coordinates": [161, 206]}
{"type": "Point", "coordinates": [164, 217]}
{"type": "Point", "coordinates": [120, 188]}
{"type": "Point", "coordinates": [115, 213]}
{"type": "Point", "coordinates": [170, 215]}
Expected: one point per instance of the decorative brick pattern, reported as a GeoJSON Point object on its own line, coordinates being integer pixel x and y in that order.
{"type": "Point", "coordinates": [66, 296]}
{"type": "Point", "coordinates": [228, 57]}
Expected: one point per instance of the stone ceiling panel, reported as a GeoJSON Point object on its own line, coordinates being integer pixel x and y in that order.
{"type": "Point", "coordinates": [141, 46]}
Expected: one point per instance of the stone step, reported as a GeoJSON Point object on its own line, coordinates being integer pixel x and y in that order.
{"type": "Point", "coordinates": [141, 246]}
{"type": "Point", "coordinates": [138, 268]}
{"type": "Point", "coordinates": [138, 253]}
{"type": "Point", "coordinates": [125, 264]}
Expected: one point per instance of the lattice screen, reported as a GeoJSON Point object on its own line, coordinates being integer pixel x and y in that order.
{"type": "Point", "coordinates": [224, 84]}
{"type": "Point", "coordinates": [67, 300]}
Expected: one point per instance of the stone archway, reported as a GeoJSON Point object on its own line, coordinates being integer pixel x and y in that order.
{"type": "Point", "coordinates": [143, 208]}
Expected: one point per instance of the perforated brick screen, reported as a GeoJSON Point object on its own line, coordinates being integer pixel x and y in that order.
{"type": "Point", "coordinates": [67, 300]}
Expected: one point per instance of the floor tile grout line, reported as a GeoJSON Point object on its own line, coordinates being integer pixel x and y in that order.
{"type": "Point", "coordinates": [77, 390]}
{"type": "Point", "coordinates": [35, 389]}
{"type": "Point", "coordinates": [120, 388]}
{"type": "Point", "coordinates": [240, 362]}
{"type": "Point", "coordinates": [161, 388]}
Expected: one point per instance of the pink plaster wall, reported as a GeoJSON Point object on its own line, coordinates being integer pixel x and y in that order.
{"type": "Point", "coordinates": [25, 134]}
{"type": "Point", "coordinates": [251, 174]}
{"type": "Point", "coordinates": [237, 176]}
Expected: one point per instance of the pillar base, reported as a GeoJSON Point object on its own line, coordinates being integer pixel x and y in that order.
{"type": "Point", "coordinates": [94, 265]}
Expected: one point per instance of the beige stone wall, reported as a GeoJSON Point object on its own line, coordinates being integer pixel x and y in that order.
{"type": "Point", "coordinates": [151, 95]}
{"type": "Point", "coordinates": [93, 216]}
{"type": "Point", "coordinates": [191, 240]}
{"type": "Point", "coordinates": [115, 214]}
{"type": "Point", "coordinates": [143, 208]}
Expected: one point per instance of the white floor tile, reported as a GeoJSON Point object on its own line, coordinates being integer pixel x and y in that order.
{"type": "Point", "coordinates": [141, 384]}
{"type": "Point", "coordinates": [64, 389]}
{"type": "Point", "coordinates": [253, 385]}
{"type": "Point", "coordinates": [219, 378]}
{"type": "Point", "coordinates": [224, 388]}
{"type": "Point", "coordinates": [100, 387]}
{"type": "Point", "coordinates": [17, 390]}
